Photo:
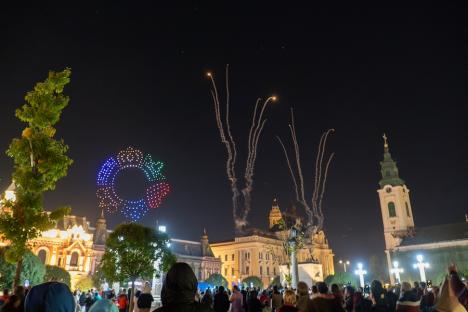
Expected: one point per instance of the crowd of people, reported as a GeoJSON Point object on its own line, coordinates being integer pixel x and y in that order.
{"type": "Point", "coordinates": [180, 294]}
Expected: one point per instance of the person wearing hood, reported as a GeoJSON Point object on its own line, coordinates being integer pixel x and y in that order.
{"type": "Point", "coordinates": [179, 289]}
{"type": "Point", "coordinates": [104, 305]}
{"type": "Point", "coordinates": [50, 296]}
{"type": "Point", "coordinates": [409, 301]}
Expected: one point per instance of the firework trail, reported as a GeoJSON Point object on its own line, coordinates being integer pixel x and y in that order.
{"type": "Point", "coordinates": [314, 210]}
{"type": "Point", "coordinates": [258, 122]}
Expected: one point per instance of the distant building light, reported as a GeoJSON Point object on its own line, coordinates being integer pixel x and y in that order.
{"type": "Point", "coordinates": [162, 228]}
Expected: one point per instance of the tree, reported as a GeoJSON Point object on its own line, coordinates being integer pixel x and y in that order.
{"type": "Point", "coordinates": [85, 283]}
{"type": "Point", "coordinates": [342, 278]}
{"type": "Point", "coordinates": [39, 162]}
{"type": "Point", "coordinates": [55, 273]}
{"type": "Point", "coordinates": [276, 282]}
{"type": "Point", "coordinates": [131, 251]}
{"type": "Point", "coordinates": [254, 281]}
{"type": "Point", "coordinates": [32, 269]}
{"type": "Point", "coordinates": [216, 279]}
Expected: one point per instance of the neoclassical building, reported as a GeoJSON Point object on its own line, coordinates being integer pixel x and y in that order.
{"type": "Point", "coordinates": [260, 253]}
{"type": "Point", "coordinates": [437, 245]}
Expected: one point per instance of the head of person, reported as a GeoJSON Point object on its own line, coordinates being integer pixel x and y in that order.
{"type": "Point", "coordinates": [235, 288]}
{"type": "Point", "coordinates": [289, 297]}
{"type": "Point", "coordinates": [275, 289]}
{"type": "Point", "coordinates": [349, 291]}
{"type": "Point", "coordinates": [19, 291]}
{"type": "Point", "coordinates": [314, 289]}
{"type": "Point", "coordinates": [335, 289]}
{"type": "Point", "coordinates": [302, 289]}
{"type": "Point", "coordinates": [221, 289]}
{"type": "Point", "coordinates": [322, 288]}
{"type": "Point", "coordinates": [50, 296]}
{"type": "Point", "coordinates": [377, 290]}
{"type": "Point", "coordinates": [405, 286]}
{"type": "Point", "coordinates": [180, 285]}
{"type": "Point", "coordinates": [105, 305]}
{"type": "Point", "coordinates": [253, 294]}
{"type": "Point", "coordinates": [416, 284]}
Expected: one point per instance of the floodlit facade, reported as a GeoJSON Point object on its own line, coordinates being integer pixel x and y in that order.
{"type": "Point", "coordinates": [260, 253]}
{"type": "Point", "coordinates": [438, 245]}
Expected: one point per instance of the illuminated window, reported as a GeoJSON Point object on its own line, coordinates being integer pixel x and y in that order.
{"type": "Point", "coordinates": [232, 271]}
{"type": "Point", "coordinates": [407, 210]}
{"type": "Point", "coordinates": [225, 271]}
{"type": "Point", "coordinates": [268, 270]}
{"type": "Point", "coordinates": [225, 257]}
{"type": "Point", "coordinates": [391, 210]}
{"type": "Point", "coordinates": [74, 259]}
{"type": "Point", "coordinates": [247, 270]}
{"type": "Point", "coordinates": [274, 271]}
{"type": "Point", "coordinates": [261, 270]}
{"type": "Point", "coordinates": [232, 257]}
{"type": "Point", "coordinates": [42, 254]}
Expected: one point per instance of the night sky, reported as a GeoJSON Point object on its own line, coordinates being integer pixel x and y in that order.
{"type": "Point", "coordinates": [139, 79]}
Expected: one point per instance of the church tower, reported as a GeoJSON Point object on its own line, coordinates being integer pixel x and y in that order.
{"type": "Point", "coordinates": [395, 205]}
{"type": "Point", "coordinates": [275, 214]}
{"type": "Point", "coordinates": [101, 233]}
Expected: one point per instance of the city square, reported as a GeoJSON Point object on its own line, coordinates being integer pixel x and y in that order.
{"type": "Point", "coordinates": [229, 157]}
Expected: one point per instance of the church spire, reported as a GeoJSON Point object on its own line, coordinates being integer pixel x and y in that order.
{"type": "Point", "coordinates": [388, 168]}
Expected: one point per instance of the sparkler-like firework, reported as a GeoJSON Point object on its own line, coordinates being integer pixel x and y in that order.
{"type": "Point", "coordinates": [314, 209]}
{"type": "Point", "coordinates": [240, 206]}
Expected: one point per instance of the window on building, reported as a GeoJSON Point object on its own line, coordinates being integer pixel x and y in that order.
{"type": "Point", "coordinates": [225, 271]}
{"type": "Point", "coordinates": [261, 270]}
{"type": "Point", "coordinates": [74, 259]}
{"type": "Point", "coordinates": [42, 254]}
{"type": "Point", "coordinates": [59, 262]}
{"type": "Point", "coordinates": [225, 257]}
{"type": "Point", "coordinates": [407, 210]}
{"type": "Point", "coordinates": [247, 270]}
{"type": "Point", "coordinates": [268, 270]}
{"type": "Point", "coordinates": [259, 255]}
{"type": "Point", "coordinates": [267, 256]}
{"type": "Point", "coordinates": [391, 210]}
{"type": "Point", "coordinates": [232, 257]}
{"type": "Point", "coordinates": [274, 271]}
{"type": "Point", "coordinates": [232, 271]}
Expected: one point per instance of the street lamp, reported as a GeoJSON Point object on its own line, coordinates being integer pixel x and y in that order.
{"type": "Point", "coordinates": [162, 228]}
{"type": "Point", "coordinates": [344, 263]}
{"type": "Point", "coordinates": [421, 265]}
{"type": "Point", "coordinates": [396, 270]}
{"type": "Point", "coordinates": [361, 273]}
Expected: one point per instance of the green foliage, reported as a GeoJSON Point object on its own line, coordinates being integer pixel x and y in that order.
{"type": "Point", "coordinates": [276, 282]}
{"type": "Point", "coordinates": [85, 283]}
{"type": "Point", "coordinates": [252, 280]}
{"type": "Point", "coordinates": [39, 162]}
{"type": "Point", "coordinates": [33, 270]}
{"type": "Point", "coordinates": [98, 277]}
{"type": "Point", "coordinates": [132, 250]}
{"type": "Point", "coordinates": [216, 279]}
{"type": "Point", "coordinates": [342, 278]}
{"type": "Point", "coordinates": [55, 273]}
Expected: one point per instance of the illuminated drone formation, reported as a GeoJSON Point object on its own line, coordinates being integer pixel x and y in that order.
{"type": "Point", "coordinates": [131, 209]}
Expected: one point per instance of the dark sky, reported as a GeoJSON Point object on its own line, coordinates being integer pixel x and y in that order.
{"type": "Point", "coordinates": [138, 79]}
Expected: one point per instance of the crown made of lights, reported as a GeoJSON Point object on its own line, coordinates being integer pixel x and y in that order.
{"type": "Point", "coordinates": [155, 193]}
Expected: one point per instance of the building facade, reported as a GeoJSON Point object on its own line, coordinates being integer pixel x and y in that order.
{"type": "Point", "coordinates": [438, 245]}
{"type": "Point", "coordinates": [261, 253]}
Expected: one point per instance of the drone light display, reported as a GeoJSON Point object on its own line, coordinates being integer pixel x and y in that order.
{"type": "Point", "coordinates": [132, 209]}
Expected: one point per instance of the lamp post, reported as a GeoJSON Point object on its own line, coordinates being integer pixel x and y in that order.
{"type": "Point", "coordinates": [421, 265]}
{"type": "Point", "coordinates": [360, 272]}
{"type": "Point", "coordinates": [396, 270]}
{"type": "Point", "coordinates": [344, 263]}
